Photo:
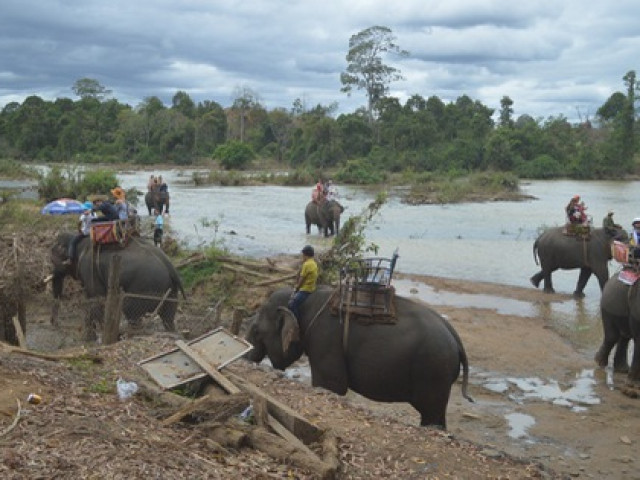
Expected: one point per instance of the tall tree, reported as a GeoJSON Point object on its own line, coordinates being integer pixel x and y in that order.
{"type": "Point", "coordinates": [245, 100]}
{"type": "Point", "coordinates": [366, 69]}
{"type": "Point", "coordinates": [90, 88]}
{"type": "Point", "coordinates": [506, 112]}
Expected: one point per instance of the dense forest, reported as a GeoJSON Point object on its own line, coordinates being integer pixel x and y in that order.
{"type": "Point", "coordinates": [423, 134]}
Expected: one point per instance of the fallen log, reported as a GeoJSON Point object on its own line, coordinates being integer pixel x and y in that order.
{"type": "Point", "coordinates": [84, 355]}
{"type": "Point", "coordinates": [276, 280]}
{"type": "Point", "coordinates": [245, 271]}
{"type": "Point", "coordinates": [270, 266]}
{"type": "Point", "coordinates": [227, 436]}
{"type": "Point", "coordinates": [281, 449]}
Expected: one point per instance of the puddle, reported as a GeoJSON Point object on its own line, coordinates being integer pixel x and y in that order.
{"type": "Point", "coordinates": [425, 293]}
{"type": "Point", "coordinates": [519, 423]}
{"type": "Point", "coordinates": [579, 395]}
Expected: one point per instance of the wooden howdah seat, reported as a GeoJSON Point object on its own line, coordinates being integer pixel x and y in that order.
{"type": "Point", "coordinates": [365, 292]}
{"type": "Point", "coordinates": [111, 232]}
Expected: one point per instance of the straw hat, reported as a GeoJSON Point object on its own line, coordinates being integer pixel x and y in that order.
{"type": "Point", "coordinates": [118, 193]}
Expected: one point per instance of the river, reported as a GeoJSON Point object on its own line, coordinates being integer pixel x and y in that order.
{"type": "Point", "coordinates": [490, 242]}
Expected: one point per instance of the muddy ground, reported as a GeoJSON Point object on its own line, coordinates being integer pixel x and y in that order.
{"type": "Point", "coordinates": [82, 431]}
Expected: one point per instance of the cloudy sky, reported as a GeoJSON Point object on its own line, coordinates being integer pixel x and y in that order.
{"type": "Point", "coordinates": [551, 57]}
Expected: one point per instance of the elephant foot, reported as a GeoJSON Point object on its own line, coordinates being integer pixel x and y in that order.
{"type": "Point", "coordinates": [534, 282]}
{"type": "Point", "coordinates": [549, 290]}
{"type": "Point", "coordinates": [578, 294]}
{"type": "Point", "coordinates": [621, 368]}
{"type": "Point", "coordinates": [601, 360]}
{"type": "Point", "coordinates": [631, 390]}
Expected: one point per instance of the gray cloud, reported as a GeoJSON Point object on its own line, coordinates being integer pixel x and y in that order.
{"type": "Point", "coordinates": [551, 58]}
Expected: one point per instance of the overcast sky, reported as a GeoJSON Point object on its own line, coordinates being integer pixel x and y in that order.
{"type": "Point", "coordinates": [551, 57]}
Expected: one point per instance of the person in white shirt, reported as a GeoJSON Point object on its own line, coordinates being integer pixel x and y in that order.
{"type": "Point", "coordinates": [84, 229]}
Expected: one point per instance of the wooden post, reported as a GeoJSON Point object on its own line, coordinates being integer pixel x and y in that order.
{"type": "Point", "coordinates": [236, 322]}
{"type": "Point", "coordinates": [111, 328]}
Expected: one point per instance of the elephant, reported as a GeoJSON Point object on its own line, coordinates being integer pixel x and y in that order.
{"type": "Point", "coordinates": [557, 250]}
{"type": "Point", "coordinates": [620, 311]}
{"type": "Point", "coordinates": [145, 270]}
{"type": "Point", "coordinates": [326, 216]}
{"type": "Point", "coordinates": [415, 360]}
{"type": "Point", "coordinates": [157, 200]}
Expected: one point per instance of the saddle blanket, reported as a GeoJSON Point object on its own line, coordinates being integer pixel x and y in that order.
{"type": "Point", "coordinates": [629, 276]}
{"type": "Point", "coordinates": [620, 251]}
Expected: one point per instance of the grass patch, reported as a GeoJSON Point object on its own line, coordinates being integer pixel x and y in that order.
{"type": "Point", "coordinates": [14, 170]}
{"type": "Point", "coordinates": [456, 188]}
{"type": "Point", "coordinates": [19, 214]}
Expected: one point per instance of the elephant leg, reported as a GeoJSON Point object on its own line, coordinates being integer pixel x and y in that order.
{"type": "Point", "coordinates": [92, 321]}
{"type": "Point", "coordinates": [620, 362]}
{"type": "Point", "coordinates": [602, 355]}
{"type": "Point", "coordinates": [548, 284]}
{"type": "Point", "coordinates": [432, 405]}
{"type": "Point", "coordinates": [585, 274]}
{"type": "Point", "coordinates": [167, 314]}
{"type": "Point", "coordinates": [536, 279]}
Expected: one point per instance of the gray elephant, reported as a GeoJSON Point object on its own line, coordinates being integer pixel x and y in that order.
{"type": "Point", "coordinates": [620, 310]}
{"type": "Point", "coordinates": [415, 360]}
{"type": "Point", "coordinates": [144, 270]}
{"type": "Point", "coordinates": [326, 216]}
{"type": "Point", "coordinates": [157, 200]}
{"type": "Point", "coordinates": [556, 250]}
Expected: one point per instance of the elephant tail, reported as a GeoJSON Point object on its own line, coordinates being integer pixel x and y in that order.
{"type": "Point", "coordinates": [535, 252]}
{"type": "Point", "coordinates": [462, 354]}
{"type": "Point", "coordinates": [465, 372]}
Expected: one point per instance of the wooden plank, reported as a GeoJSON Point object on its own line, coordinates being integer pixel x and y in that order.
{"type": "Point", "coordinates": [207, 367]}
{"type": "Point", "coordinates": [291, 420]}
{"type": "Point", "coordinates": [290, 437]}
{"type": "Point", "coordinates": [22, 342]}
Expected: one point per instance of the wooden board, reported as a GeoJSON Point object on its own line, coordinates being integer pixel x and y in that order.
{"type": "Point", "coordinates": [218, 348]}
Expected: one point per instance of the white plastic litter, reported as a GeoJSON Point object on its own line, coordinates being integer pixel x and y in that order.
{"type": "Point", "coordinates": [126, 389]}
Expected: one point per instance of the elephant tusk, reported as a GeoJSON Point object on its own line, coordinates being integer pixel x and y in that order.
{"type": "Point", "coordinates": [47, 279]}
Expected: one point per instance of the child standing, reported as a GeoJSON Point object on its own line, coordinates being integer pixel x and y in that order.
{"type": "Point", "coordinates": [159, 226]}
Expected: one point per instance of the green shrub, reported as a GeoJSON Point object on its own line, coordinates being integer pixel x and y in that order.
{"type": "Point", "coordinates": [74, 183]}
{"type": "Point", "coordinates": [360, 172]}
{"type": "Point", "coordinates": [234, 155]}
{"type": "Point", "coordinates": [541, 167]}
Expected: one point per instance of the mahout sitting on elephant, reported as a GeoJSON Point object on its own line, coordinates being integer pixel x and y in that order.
{"type": "Point", "coordinates": [145, 270]}
{"type": "Point", "coordinates": [556, 250]}
{"type": "Point", "coordinates": [620, 311]}
{"type": "Point", "coordinates": [415, 360]}
{"type": "Point", "coordinates": [325, 215]}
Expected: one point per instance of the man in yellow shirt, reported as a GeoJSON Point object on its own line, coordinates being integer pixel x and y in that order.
{"type": "Point", "coordinates": [306, 280]}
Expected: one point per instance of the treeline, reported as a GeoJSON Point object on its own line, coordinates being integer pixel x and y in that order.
{"type": "Point", "coordinates": [421, 135]}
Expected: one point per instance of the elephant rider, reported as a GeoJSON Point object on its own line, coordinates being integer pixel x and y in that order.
{"type": "Point", "coordinates": [121, 203]}
{"type": "Point", "coordinates": [331, 192]}
{"type": "Point", "coordinates": [84, 229]}
{"type": "Point", "coordinates": [108, 210]}
{"type": "Point", "coordinates": [317, 194]}
{"type": "Point", "coordinates": [634, 240]}
{"type": "Point", "coordinates": [611, 227]}
{"type": "Point", "coordinates": [575, 210]}
{"type": "Point", "coordinates": [305, 281]}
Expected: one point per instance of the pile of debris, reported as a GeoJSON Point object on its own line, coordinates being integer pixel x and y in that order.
{"type": "Point", "coordinates": [24, 265]}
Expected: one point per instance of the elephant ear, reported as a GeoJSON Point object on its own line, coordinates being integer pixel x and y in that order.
{"type": "Point", "coordinates": [290, 331]}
